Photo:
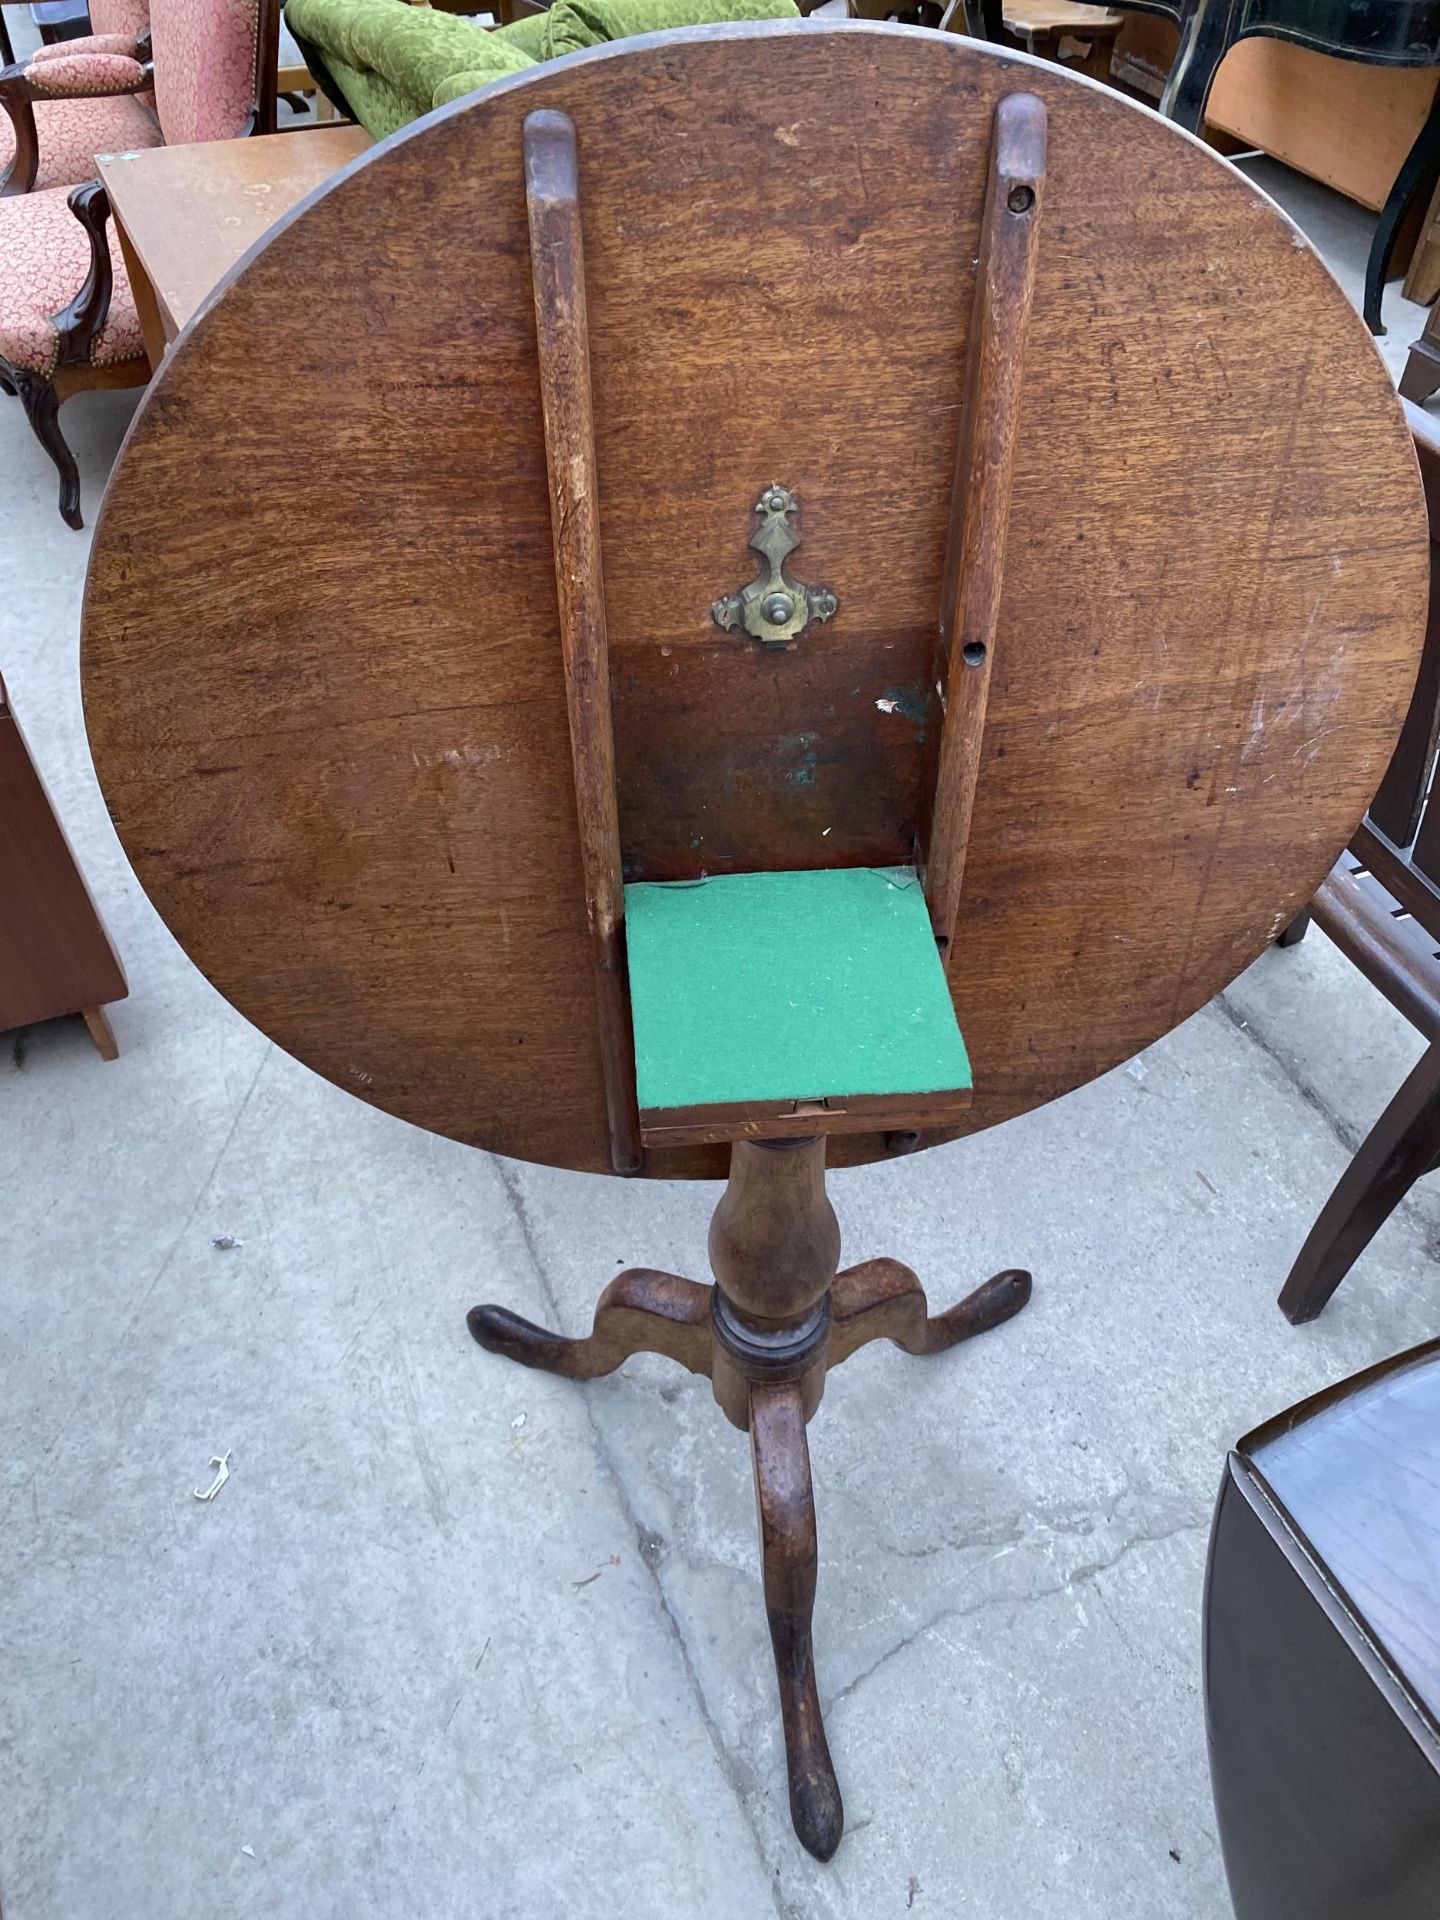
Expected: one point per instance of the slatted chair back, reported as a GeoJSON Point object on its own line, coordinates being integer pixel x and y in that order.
{"type": "Point", "coordinates": [1381, 905]}
{"type": "Point", "coordinates": [1399, 822]}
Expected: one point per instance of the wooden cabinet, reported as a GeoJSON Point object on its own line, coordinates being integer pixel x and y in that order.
{"type": "Point", "coordinates": [55, 955]}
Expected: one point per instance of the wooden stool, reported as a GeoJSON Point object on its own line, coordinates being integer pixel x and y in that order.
{"type": "Point", "coordinates": [1047, 26]}
{"type": "Point", "coordinates": [651, 866]}
{"type": "Point", "coordinates": [1322, 1653]}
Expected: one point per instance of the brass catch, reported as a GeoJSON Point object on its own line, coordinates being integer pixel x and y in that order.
{"type": "Point", "coordinates": [774, 608]}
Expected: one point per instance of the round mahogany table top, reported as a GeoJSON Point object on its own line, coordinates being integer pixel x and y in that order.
{"type": "Point", "coordinates": [322, 668]}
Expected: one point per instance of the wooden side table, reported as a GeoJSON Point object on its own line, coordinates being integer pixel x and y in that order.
{"type": "Point", "coordinates": [55, 955]}
{"type": "Point", "coordinates": [186, 215]}
{"type": "Point", "coordinates": [588, 863]}
{"type": "Point", "coordinates": [1322, 1653]}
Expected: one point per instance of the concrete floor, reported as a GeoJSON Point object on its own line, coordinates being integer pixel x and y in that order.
{"type": "Point", "coordinates": [456, 1639]}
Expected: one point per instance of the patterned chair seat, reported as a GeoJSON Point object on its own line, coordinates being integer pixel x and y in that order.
{"type": "Point", "coordinates": [72, 132]}
{"type": "Point", "coordinates": [44, 259]}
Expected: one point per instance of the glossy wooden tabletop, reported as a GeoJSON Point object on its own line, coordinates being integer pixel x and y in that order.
{"type": "Point", "coordinates": [323, 682]}
{"type": "Point", "coordinates": [1357, 1470]}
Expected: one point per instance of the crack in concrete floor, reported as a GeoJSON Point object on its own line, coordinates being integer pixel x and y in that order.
{"type": "Point", "coordinates": [643, 1536]}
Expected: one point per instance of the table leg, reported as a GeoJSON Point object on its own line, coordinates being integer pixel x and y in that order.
{"type": "Point", "coordinates": [785, 1503]}
{"type": "Point", "coordinates": [777, 1317]}
{"type": "Point", "coordinates": [152, 327]}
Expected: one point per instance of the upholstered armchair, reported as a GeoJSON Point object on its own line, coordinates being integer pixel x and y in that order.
{"type": "Point", "coordinates": [68, 319]}
{"type": "Point", "coordinates": [75, 99]}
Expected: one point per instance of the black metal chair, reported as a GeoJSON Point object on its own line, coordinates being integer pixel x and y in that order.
{"type": "Point", "coordinates": [1388, 33]}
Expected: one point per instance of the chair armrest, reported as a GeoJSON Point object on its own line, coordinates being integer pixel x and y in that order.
{"type": "Point", "coordinates": [122, 43]}
{"type": "Point", "coordinates": [15, 98]}
{"type": "Point", "coordinates": [78, 324]}
{"type": "Point", "coordinates": [96, 76]}
{"type": "Point", "coordinates": [86, 76]}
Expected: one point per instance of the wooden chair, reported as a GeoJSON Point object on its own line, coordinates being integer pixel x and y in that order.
{"type": "Point", "coordinates": [1381, 907]}
{"type": "Point", "coordinates": [55, 955]}
{"type": "Point", "coordinates": [1322, 1653]}
{"type": "Point", "coordinates": [68, 318]}
{"type": "Point", "coordinates": [642, 864]}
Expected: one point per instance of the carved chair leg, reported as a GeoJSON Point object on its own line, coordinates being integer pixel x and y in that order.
{"type": "Point", "coordinates": [883, 1300]}
{"type": "Point", "coordinates": [786, 1504]}
{"type": "Point", "coordinates": [42, 410]}
{"type": "Point", "coordinates": [1403, 1144]}
{"type": "Point", "coordinates": [639, 1312]}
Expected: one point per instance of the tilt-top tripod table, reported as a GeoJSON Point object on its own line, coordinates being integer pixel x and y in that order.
{"type": "Point", "coordinates": [482, 763]}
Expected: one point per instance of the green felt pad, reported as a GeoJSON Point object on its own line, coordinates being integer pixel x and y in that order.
{"type": "Point", "coordinates": [788, 986]}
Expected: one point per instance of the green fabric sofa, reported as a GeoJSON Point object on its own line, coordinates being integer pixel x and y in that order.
{"type": "Point", "coordinates": [385, 63]}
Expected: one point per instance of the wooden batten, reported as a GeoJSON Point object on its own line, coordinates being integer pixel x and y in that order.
{"type": "Point", "coordinates": [980, 500]}
{"type": "Point", "coordinates": [557, 265]}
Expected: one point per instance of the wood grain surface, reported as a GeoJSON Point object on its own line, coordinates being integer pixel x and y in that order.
{"type": "Point", "coordinates": [972, 580]}
{"type": "Point", "coordinates": [324, 684]}
{"type": "Point", "coordinates": [562, 338]}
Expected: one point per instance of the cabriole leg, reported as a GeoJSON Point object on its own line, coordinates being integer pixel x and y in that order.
{"type": "Point", "coordinates": [785, 1502]}
{"type": "Point", "coordinates": [639, 1312]}
{"type": "Point", "coordinates": [883, 1300]}
{"type": "Point", "coordinates": [42, 410]}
